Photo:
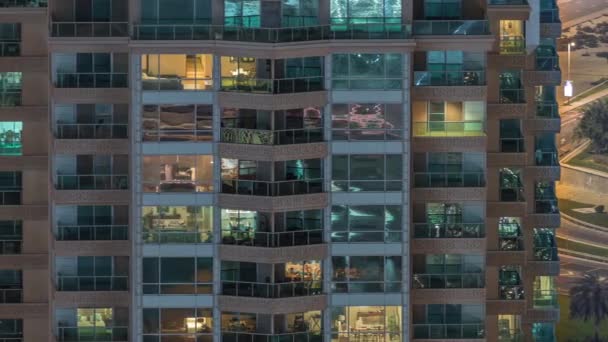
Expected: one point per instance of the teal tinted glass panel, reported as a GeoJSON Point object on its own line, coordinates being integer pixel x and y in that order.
{"type": "Point", "coordinates": [11, 138]}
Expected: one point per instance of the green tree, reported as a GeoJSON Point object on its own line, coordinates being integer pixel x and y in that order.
{"type": "Point", "coordinates": [589, 301]}
{"type": "Point", "coordinates": [594, 125]}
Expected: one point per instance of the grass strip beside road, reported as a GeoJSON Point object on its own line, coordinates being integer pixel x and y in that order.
{"type": "Point", "coordinates": [581, 247]}
{"type": "Point", "coordinates": [585, 159]}
{"type": "Point", "coordinates": [567, 207]}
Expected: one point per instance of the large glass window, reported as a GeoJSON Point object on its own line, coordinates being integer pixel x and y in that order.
{"type": "Point", "coordinates": [92, 222]}
{"type": "Point", "coordinates": [10, 89]}
{"type": "Point", "coordinates": [87, 273]}
{"type": "Point", "coordinates": [177, 275]}
{"type": "Point", "coordinates": [11, 237]}
{"type": "Point", "coordinates": [365, 274]}
{"type": "Point", "coordinates": [511, 88]}
{"type": "Point", "coordinates": [177, 224]}
{"type": "Point", "coordinates": [92, 172]}
{"type": "Point", "coordinates": [92, 324]}
{"type": "Point", "coordinates": [367, 172]}
{"type": "Point", "coordinates": [10, 39]}
{"type": "Point", "coordinates": [444, 271]}
{"type": "Point", "coordinates": [511, 185]}
{"type": "Point", "coordinates": [449, 118]}
{"type": "Point", "coordinates": [366, 121]}
{"type": "Point", "coordinates": [171, 324]}
{"type": "Point", "coordinates": [11, 135]}
{"type": "Point", "coordinates": [349, 12]}
{"type": "Point", "coordinates": [448, 321]}
{"type": "Point", "coordinates": [449, 220]}
{"type": "Point", "coordinates": [442, 9]}
{"type": "Point", "coordinates": [449, 169]}
{"type": "Point", "coordinates": [91, 121]}
{"type": "Point", "coordinates": [176, 11]}
{"type": "Point", "coordinates": [11, 286]}
{"type": "Point", "coordinates": [91, 70]}
{"type": "Point", "coordinates": [446, 68]}
{"type": "Point", "coordinates": [367, 70]}
{"type": "Point", "coordinates": [242, 13]}
{"type": "Point", "coordinates": [10, 188]}
{"type": "Point", "coordinates": [379, 323]}
{"type": "Point", "coordinates": [177, 72]}
{"type": "Point", "coordinates": [178, 173]}
{"type": "Point", "coordinates": [299, 13]}
{"type": "Point", "coordinates": [177, 123]}
{"type": "Point", "coordinates": [11, 329]}
{"type": "Point", "coordinates": [366, 223]}
{"type": "Point", "coordinates": [510, 235]}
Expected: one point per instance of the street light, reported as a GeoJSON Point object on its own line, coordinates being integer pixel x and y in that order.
{"type": "Point", "coordinates": [568, 88]}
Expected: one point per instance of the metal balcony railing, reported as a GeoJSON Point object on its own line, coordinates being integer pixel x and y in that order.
{"type": "Point", "coordinates": [268, 188]}
{"type": "Point", "coordinates": [271, 137]}
{"type": "Point", "coordinates": [91, 29]}
{"type": "Point", "coordinates": [92, 182]}
{"type": "Point", "coordinates": [449, 78]}
{"type": "Point", "coordinates": [92, 232]}
{"type": "Point", "coordinates": [449, 179]}
{"type": "Point", "coordinates": [91, 80]}
{"type": "Point", "coordinates": [272, 239]}
{"type": "Point", "coordinates": [448, 281]}
{"type": "Point", "coordinates": [449, 128]}
{"type": "Point", "coordinates": [451, 27]}
{"type": "Point", "coordinates": [272, 290]}
{"type": "Point", "coordinates": [449, 331]}
{"type": "Point", "coordinates": [449, 230]}
{"type": "Point", "coordinates": [91, 131]}
{"type": "Point", "coordinates": [92, 283]}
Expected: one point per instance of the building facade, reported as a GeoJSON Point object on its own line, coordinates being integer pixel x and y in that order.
{"type": "Point", "coordinates": [278, 170]}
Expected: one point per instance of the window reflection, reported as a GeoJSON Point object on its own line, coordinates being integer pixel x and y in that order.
{"type": "Point", "coordinates": [177, 72]}
{"type": "Point", "coordinates": [177, 224]}
{"type": "Point", "coordinates": [366, 274]}
{"type": "Point", "coordinates": [367, 121]}
{"type": "Point", "coordinates": [178, 173]}
{"type": "Point", "coordinates": [177, 122]}
{"type": "Point", "coordinates": [366, 323]}
{"type": "Point", "coordinates": [11, 135]}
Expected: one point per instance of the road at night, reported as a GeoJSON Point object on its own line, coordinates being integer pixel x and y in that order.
{"type": "Point", "coordinates": [572, 9]}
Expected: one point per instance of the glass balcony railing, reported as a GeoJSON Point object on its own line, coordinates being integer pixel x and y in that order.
{"type": "Point", "coordinates": [449, 78]}
{"type": "Point", "coordinates": [11, 246]}
{"type": "Point", "coordinates": [270, 35]}
{"type": "Point", "coordinates": [23, 3]}
{"type": "Point", "coordinates": [272, 239]}
{"type": "Point", "coordinates": [449, 331]}
{"type": "Point", "coordinates": [91, 233]}
{"type": "Point", "coordinates": [448, 281]}
{"type": "Point", "coordinates": [89, 29]}
{"type": "Point", "coordinates": [91, 80]}
{"type": "Point", "coordinates": [511, 292]}
{"type": "Point", "coordinates": [451, 27]}
{"type": "Point", "coordinates": [545, 299]}
{"type": "Point", "coordinates": [271, 137]}
{"type": "Point", "coordinates": [10, 97]}
{"type": "Point", "coordinates": [507, 96]}
{"type": "Point", "coordinates": [548, 16]}
{"type": "Point", "coordinates": [269, 290]}
{"type": "Point", "coordinates": [10, 48]}
{"type": "Point", "coordinates": [546, 254]}
{"type": "Point", "coordinates": [10, 197]}
{"type": "Point", "coordinates": [547, 109]}
{"type": "Point", "coordinates": [546, 158]}
{"type": "Point", "coordinates": [11, 339]}
{"type": "Point", "coordinates": [449, 230]}
{"type": "Point", "coordinates": [512, 45]}
{"type": "Point", "coordinates": [267, 188]}
{"type": "Point", "coordinates": [511, 244]}
{"type": "Point", "coordinates": [228, 336]}
{"type": "Point", "coordinates": [366, 287]}
{"type": "Point", "coordinates": [449, 179]}
{"type": "Point", "coordinates": [10, 296]}
{"type": "Point", "coordinates": [92, 182]}
{"type": "Point", "coordinates": [92, 333]}
{"type": "Point", "coordinates": [449, 128]}
{"type": "Point", "coordinates": [93, 283]}
{"type": "Point", "coordinates": [512, 193]}
{"type": "Point", "coordinates": [91, 131]}
{"type": "Point", "coordinates": [507, 2]}
{"type": "Point", "coordinates": [512, 335]}
{"type": "Point", "coordinates": [546, 59]}
{"type": "Point", "coordinates": [282, 86]}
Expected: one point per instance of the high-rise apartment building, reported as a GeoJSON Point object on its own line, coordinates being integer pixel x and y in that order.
{"type": "Point", "coordinates": [278, 170]}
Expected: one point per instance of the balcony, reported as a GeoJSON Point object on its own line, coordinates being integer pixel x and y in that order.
{"type": "Point", "coordinates": [474, 128]}
{"type": "Point", "coordinates": [92, 333]}
{"type": "Point", "coordinates": [272, 239]}
{"type": "Point", "coordinates": [228, 336]}
{"type": "Point", "coordinates": [545, 299]}
{"type": "Point", "coordinates": [270, 35]}
{"type": "Point", "coordinates": [11, 296]}
{"type": "Point", "coordinates": [91, 232]}
{"type": "Point", "coordinates": [448, 331]}
{"type": "Point", "coordinates": [451, 28]}
{"type": "Point", "coordinates": [10, 48]}
{"type": "Point", "coordinates": [512, 45]}
{"type": "Point", "coordinates": [510, 335]}
{"type": "Point", "coordinates": [92, 283]}
{"type": "Point", "coordinates": [271, 137]}
{"type": "Point", "coordinates": [91, 131]}
{"type": "Point", "coordinates": [448, 281]}
{"type": "Point", "coordinates": [11, 237]}
{"type": "Point", "coordinates": [268, 86]}
{"type": "Point", "coordinates": [91, 80]}
{"type": "Point", "coordinates": [547, 59]}
{"type": "Point", "coordinates": [67, 29]}
{"type": "Point", "coordinates": [268, 188]}
{"type": "Point", "coordinates": [547, 109]}
{"type": "Point", "coordinates": [449, 78]}
{"type": "Point", "coordinates": [276, 290]}
{"type": "Point", "coordinates": [449, 230]}
{"type": "Point", "coordinates": [92, 182]}
{"type": "Point", "coordinates": [473, 179]}
{"type": "Point", "coordinates": [10, 96]}
{"type": "Point", "coordinates": [545, 200]}
{"type": "Point", "coordinates": [23, 3]}
{"type": "Point", "coordinates": [511, 96]}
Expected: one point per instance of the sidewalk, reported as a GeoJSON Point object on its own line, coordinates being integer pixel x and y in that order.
{"type": "Point", "coordinates": [566, 108]}
{"type": "Point", "coordinates": [576, 194]}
